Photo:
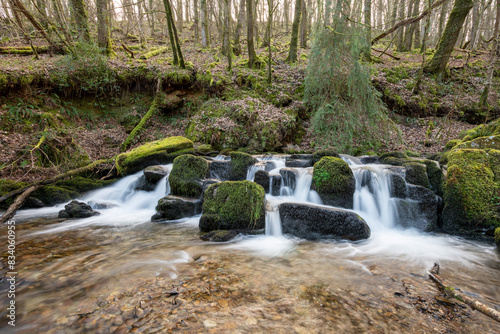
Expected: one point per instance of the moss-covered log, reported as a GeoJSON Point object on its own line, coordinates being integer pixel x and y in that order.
{"type": "Point", "coordinates": [12, 50]}
{"type": "Point", "coordinates": [153, 53]}
{"type": "Point", "coordinates": [138, 129]}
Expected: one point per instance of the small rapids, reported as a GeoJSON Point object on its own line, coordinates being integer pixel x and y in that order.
{"type": "Point", "coordinates": [94, 274]}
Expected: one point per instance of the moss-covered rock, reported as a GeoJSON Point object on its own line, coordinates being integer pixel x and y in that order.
{"type": "Point", "coordinates": [82, 184]}
{"type": "Point", "coordinates": [323, 153]}
{"type": "Point", "coordinates": [52, 195]}
{"type": "Point", "coordinates": [7, 186]}
{"type": "Point", "coordinates": [204, 148]}
{"type": "Point", "coordinates": [334, 182]}
{"type": "Point", "coordinates": [416, 173]}
{"type": "Point", "coordinates": [394, 158]}
{"type": "Point", "coordinates": [484, 143]}
{"type": "Point", "coordinates": [154, 153]}
{"type": "Point", "coordinates": [233, 205]}
{"type": "Point", "coordinates": [452, 143]}
{"type": "Point", "coordinates": [470, 192]}
{"type": "Point", "coordinates": [239, 165]}
{"type": "Point", "coordinates": [219, 235]}
{"type": "Point", "coordinates": [186, 177]}
{"type": "Point", "coordinates": [435, 176]}
{"type": "Point", "coordinates": [483, 130]}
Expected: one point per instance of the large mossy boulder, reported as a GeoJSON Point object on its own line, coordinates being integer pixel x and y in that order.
{"type": "Point", "coordinates": [239, 165]}
{"type": "Point", "coordinates": [187, 175]}
{"type": "Point", "coordinates": [318, 222]}
{"type": "Point", "coordinates": [233, 205]}
{"type": "Point", "coordinates": [158, 152]}
{"type": "Point", "coordinates": [416, 173]}
{"type": "Point", "coordinates": [334, 181]}
{"type": "Point", "coordinates": [471, 192]}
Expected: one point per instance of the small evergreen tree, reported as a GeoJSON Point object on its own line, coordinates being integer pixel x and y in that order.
{"type": "Point", "coordinates": [347, 110]}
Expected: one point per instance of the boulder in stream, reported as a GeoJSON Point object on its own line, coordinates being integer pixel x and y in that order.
{"type": "Point", "coordinates": [219, 235]}
{"type": "Point", "coordinates": [318, 222]}
{"type": "Point", "coordinates": [76, 209]}
{"type": "Point", "coordinates": [334, 181]}
{"type": "Point", "coordinates": [174, 207]}
{"type": "Point", "coordinates": [186, 177]}
{"type": "Point", "coordinates": [233, 205]}
{"type": "Point", "coordinates": [239, 165]}
{"type": "Point", "coordinates": [262, 178]}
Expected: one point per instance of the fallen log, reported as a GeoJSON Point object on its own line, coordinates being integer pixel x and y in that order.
{"type": "Point", "coordinates": [11, 211]}
{"type": "Point", "coordinates": [153, 53]}
{"type": "Point", "coordinates": [128, 50]}
{"type": "Point", "coordinates": [454, 293]}
{"type": "Point", "coordinates": [57, 178]}
{"type": "Point", "coordinates": [23, 50]}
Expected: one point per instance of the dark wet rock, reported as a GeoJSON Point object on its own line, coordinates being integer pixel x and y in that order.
{"type": "Point", "coordinates": [219, 235]}
{"type": "Point", "coordinates": [427, 208]}
{"type": "Point", "coordinates": [416, 173]}
{"type": "Point", "coordinates": [334, 181]}
{"type": "Point", "coordinates": [275, 184]}
{"type": "Point", "coordinates": [143, 184]}
{"type": "Point", "coordinates": [289, 177]}
{"type": "Point", "coordinates": [154, 174]}
{"type": "Point", "coordinates": [262, 178]}
{"type": "Point", "coordinates": [318, 222]}
{"type": "Point", "coordinates": [101, 205]}
{"type": "Point", "coordinates": [301, 157]}
{"type": "Point", "coordinates": [174, 207]}
{"type": "Point", "coordinates": [33, 203]}
{"type": "Point", "coordinates": [299, 163]}
{"type": "Point", "coordinates": [76, 209]}
{"type": "Point", "coordinates": [397, 186]}
{"type": "Point", "coordinates": [369, 159]}
{"type": "Point", "coordinates": [220, 169]}
{"type": "Point", "coordinates": [239, 165]}
{"type": "Point", "coordinates": [233, 205]}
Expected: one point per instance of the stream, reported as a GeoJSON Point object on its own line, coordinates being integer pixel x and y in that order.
{"type": "Point", "coordinates": [121, 273]}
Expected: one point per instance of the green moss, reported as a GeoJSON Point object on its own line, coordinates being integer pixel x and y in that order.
{"type": "Point", "coordinates": [3, 81]}
{"type": "Point", "coordinates": [233, 205]}
{"type": "Point", "coordinates": [452, 143]}
{"type": "Point", "coordinates": [52, 195]}
{"type": "Point", "coordinates": [82, 184]}
{"type": "Point", "coordinates": [7, 186]}
{"type": "Point", "coordinates": [154, 153]}
{"type": "Point", "coordinates": [435, 176]}
{"type": "Point", "coordinates": [469, 190]}
{"type": "Point", "coordinates": [334, 181]}
{"type": "Point", "coordinates": [204, 148]}
{"type": "Point", "coordinates": [186, 176]}
{"type": "Point", "coordinates": [394, 158]}
{"type": "Point", "coordinates": [239, 165]}
{"type": "Point", "coordinates": [489, 142]}
{"type": "Point", "coordinates": [411, 153]}
{"type": "Point", "coordinates": [416, 173]}
{"type": "Point", "coordinates": [483, 130]}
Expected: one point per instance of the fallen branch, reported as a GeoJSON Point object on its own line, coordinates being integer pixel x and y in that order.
{"type": "Point", "coordinates": [57, 178]}
{"type": "Point", "coordinates": [452, 292]}
{"type": "Point", "coordinates": [128, 50]}
{"type": "Point", "coordinates": [408, 21]}
{"type": "Point", "coordinates": [11, 211]}
{"type": "Point", "coordinates": [382, 52]}
{"type": "Point", "coordinates": [23, 50]}
{"type": "Point", "coordinates": [474, 52]}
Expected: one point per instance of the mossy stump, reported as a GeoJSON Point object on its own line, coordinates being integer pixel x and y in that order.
{"type": "Point", "coordinates": [233, 205]}
{"type": "Point", "coordinates": [186, 177]}
{"type": "Point", "coordinates": [334, 182]}
{"type": "Point", "coordinates": [158, 152]}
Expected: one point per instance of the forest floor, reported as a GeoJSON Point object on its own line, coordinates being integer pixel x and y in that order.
{"type": "Point", "coordinates": [100, 120]}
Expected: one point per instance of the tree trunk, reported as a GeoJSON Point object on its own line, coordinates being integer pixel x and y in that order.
{"type": "Point", "coordinates": [450, 35]}
{"type": "Point", "coordinates": [292, 55]}
{"type": "Point", "coordinates": [367, 12]}
{"type": "Point", "coordinates": [416, 26]}
{"type": "Point", "coordinates": [237, 31]}
{"type": "Point", "coordinates": [196, 21]}
{"type": "Point", "coordinates": [495, 54]}
{"type": "Point", "coordinates": [103, 39]}
{"type": "Point", "coordinates": [204, 24]}
{"type": "Point", "coordinates": [401, 14]}
{"type": "Point", "coordinates": [79, 12]}
{"type": "Point", "coordinates": [226, 49]}
{"type": "Point", "coordinates": [303, 25]}
{"type": "Point", "coordinates": [286, 13]}
{"type": "Point", "coordinates": [180, 15]}
{"type": "Point", "coordinates": [269, 23]}
{"type": "Point", "coordinates": [174, 39]}
{"type": "Point", "coordinates": [250, 23]}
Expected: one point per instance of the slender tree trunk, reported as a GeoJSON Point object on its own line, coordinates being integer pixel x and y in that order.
{"type": "Point", "coordinates": [204, 23]}
{"type": "Point", "coordinates": [196, 21]}
{"type": "Point", "coordinates": [250, 23]}
{"type": "Point", "coordinates": [416, 25]}
{"type": "Point", "coordinates": [401, 14]}
{"type": "Point", "coordinates": [180, 15]}
{"type": "Point", "coordinates": [237, 31]}
{"type": "Point", "coordinates": [442, 20]}
{"type": "Point", "coordinates": [394, 14]}
{"type": "Point", "coordinates": [450, 35]}
{"type": "Point", "coordinates": [226, 49]}
{"type": "Point", "coordinates": [367, 12]}
{"type": "Point", "coordinates": [292, 55]}
{"type": "Point", "coordinates": [103, 35]}
{"type": "Point", "coordinates": [286, 13]}
{"type": "Point", "coordinates": [495, 54]}
{"type": "Point", "coordinates": [270, 60]}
